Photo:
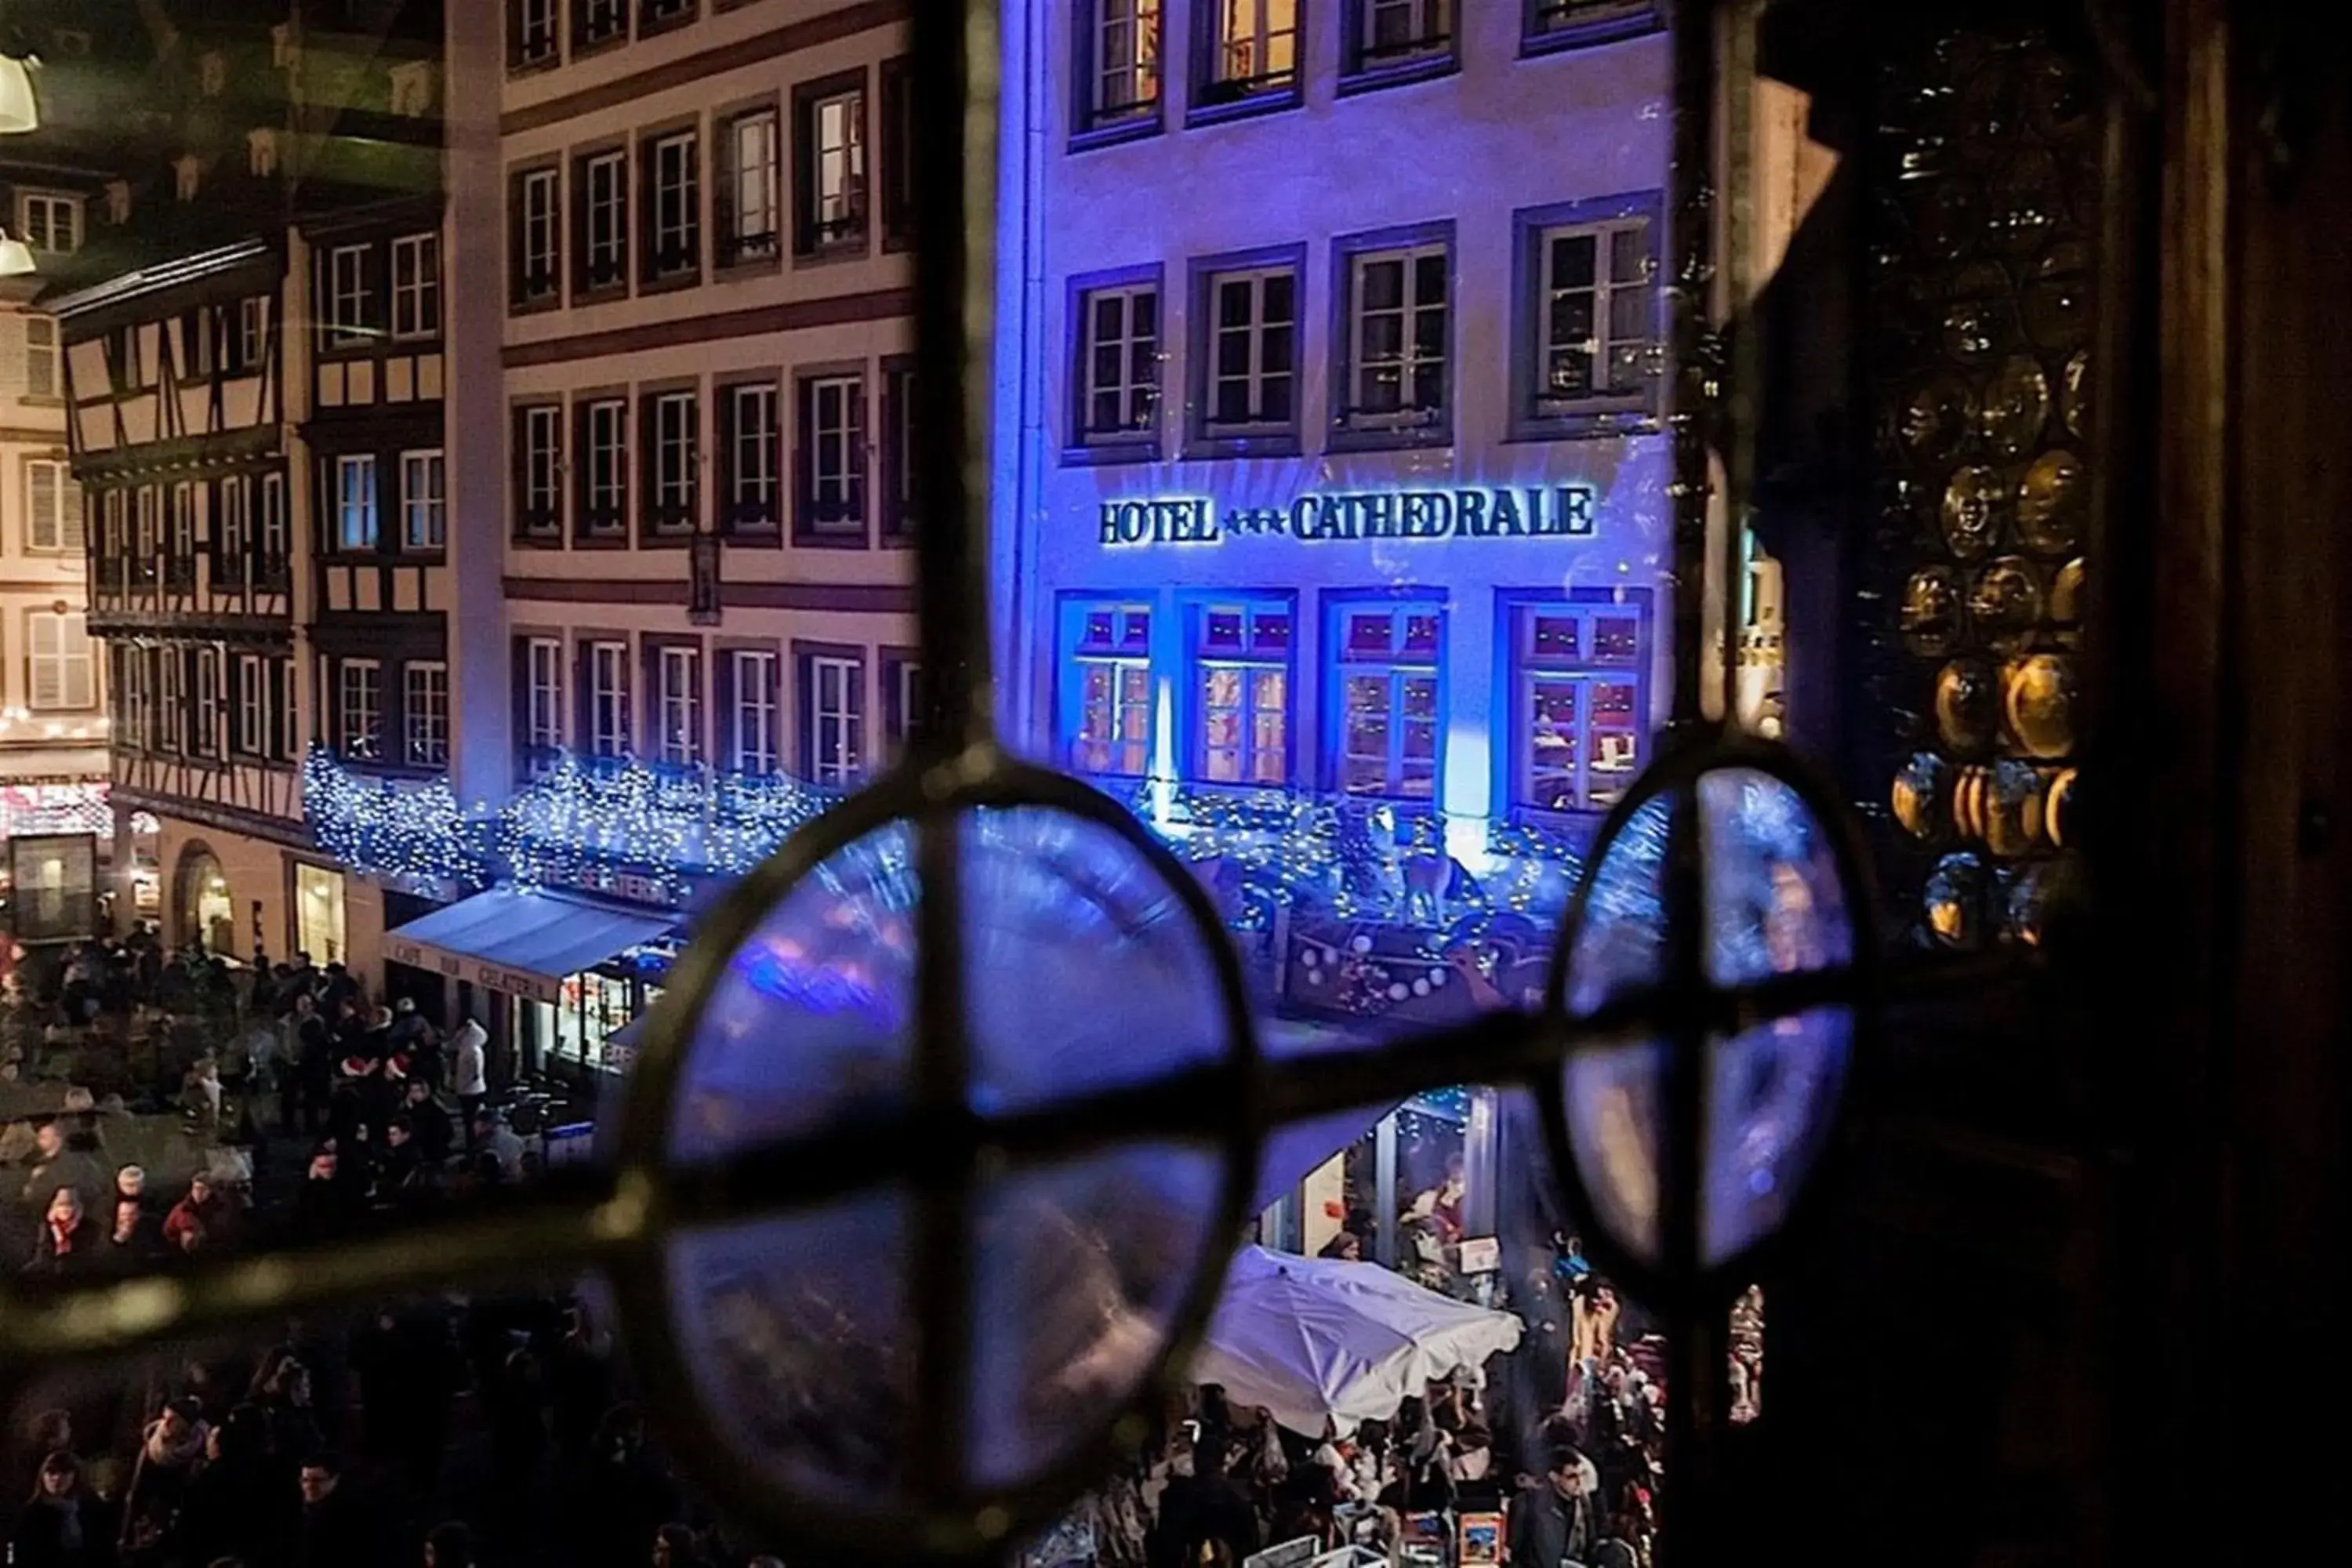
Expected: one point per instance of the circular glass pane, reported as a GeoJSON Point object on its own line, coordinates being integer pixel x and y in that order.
{"type": "Point", "coordinates": [1083, 972]}
{"type": "Point", "coordinates": [1773, 905]}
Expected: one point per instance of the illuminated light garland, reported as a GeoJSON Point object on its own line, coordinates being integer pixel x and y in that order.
{"type": "Point", "coordinates": [401, 829]}
{"type": "Point", "coordinates": [33, 810]}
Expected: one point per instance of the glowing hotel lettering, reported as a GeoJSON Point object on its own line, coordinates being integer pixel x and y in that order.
{"type": "Point", "coordinates": [1558, 511]}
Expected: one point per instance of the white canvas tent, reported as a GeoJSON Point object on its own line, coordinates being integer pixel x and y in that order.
{"type": "Point", "coordinates": [1315, 1340]}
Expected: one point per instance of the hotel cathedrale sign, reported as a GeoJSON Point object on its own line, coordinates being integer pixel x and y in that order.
{"type": "Point", "coordinates": [1558, 511]}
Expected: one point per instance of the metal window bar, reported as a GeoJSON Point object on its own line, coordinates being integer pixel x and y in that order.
{"type": "Point", "coordinates": [621, 1217]}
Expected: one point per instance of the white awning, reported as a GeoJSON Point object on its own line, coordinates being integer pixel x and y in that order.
{"type": "Point", "coordinates": [523, 943]}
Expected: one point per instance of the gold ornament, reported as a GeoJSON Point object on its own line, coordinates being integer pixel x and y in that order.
{"type": "Point", "coordinates": [2039, 702]}
{"type": "Point", "coordinates": [2049, 503]}
{"type": "Point", "coordinates": [2059, 811]}
{"type": "Point", "coordinates": [1919, 795]}
{"type": "Point", "coordinates": [1974, 503]}
{"type": "Point", "coordinates": [1931, 612]}
{"type": "Point", "coordinates": [1968, 705]}
{"type": "Point", "coordinates": [2006, 604]}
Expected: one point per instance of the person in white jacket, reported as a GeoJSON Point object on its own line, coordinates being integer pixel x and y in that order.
{"type": "Point", "coordinates": [469, 1072]}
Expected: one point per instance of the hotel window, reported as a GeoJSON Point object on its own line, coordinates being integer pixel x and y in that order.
{"type": "Point", "coordinates": [677, 705]}
{"type": "Point", "coordinates": [232, 530]}
{"type": "Point", "coordinates": [1589, 344]}
{"type": "Point", "coordinates": [1396, 373]}
{"type": "Point", "coordinates": [1120, 61]}
{"type": "Point", "coordinates": [750, 442]}
{"type": "Point", "coordinates": [898, 451]}
{"type": "Point", "coordinates": [53, 508]}
{"type": "Point", "coordinates": [49, 222]}
{"type": "Point", "coordinates": [1383, 35]}
{"type": "Point", "coordinates": [603, 488]}
{"type": "Point", "coordinates": [595, 21]}
{"type": "Point", "coordinates": [424, 714]}
{"type": "Point", "coordinates": [1249, 326]}
{"type": "Point", "coordinates": [277, 539]}
{"type": "Point", "coordinates": [831, 459]}
{"type": "Point", "coordinates": [542, 687]}
{"type": "Point", "coordinates": [253, 331]}
{"type": "Point", "coordinates": [58, 650]}
{"type": "Point", "coordinates": [1578, 674]}
{"type": "Point", "coordinates": [750, 189]}
{"type": "Point", "coordinates": [1251, 51]}
{"type": "Point", "coordinates": [1107, 693]}
{"type": "Point", "coordinates": [531, 33]}
{"type": "Point", "coordinates": [538, 242]}
{"type": "Point", "coordinates": [424, 501]}
{"type": "Point", "coordinates": [673, 439]}
{"type": "Point", "coordinates": [359, 709]}
{"type": "Point", "coordinates": [904, 704]}
{"type": "Point", "coordinates": [172, 699]}
{"type": "Point", "coordinates": [41, 377]}
{"type": "Point", "coordinates": [251, 738]}
{"type": "Point", "coordinates": [417, 286]}
{"type": "Point", "coordinates": [539, 470]}
{"type": "Point", "coordinates": [653, 14]}
{"type": "Point", "coordinates": [205, 742]}
{"type": "Point", "coordinates": [1565, 24]}
{"type": "Point", "coordinates": [753, 737]}
{"type": "Point", "coordinates": [1241, 689]}
{"type": "Point", "coordinates": [350, 305]}
{"type": "Point", "coordinates": [605, 691]}
{"type": "Point", "coordinates": [1388, 739]}
{"type": "Point", "coordinates": [602, 204]}
{"type": "Point", "coordinates": [355, 522]}
{"type": "Point", "coordinates": [180, 562]}
{"type": "Point", "coordinates": [833, 716]}
{"type": "Point", "coordinates": [829, 174]}
{"type": "Point", "coordinates": [1119, 366]}
{"type": "Point", "coordinates": [673, 171]}
{"type": "Point", "coordinates": [283, 710]}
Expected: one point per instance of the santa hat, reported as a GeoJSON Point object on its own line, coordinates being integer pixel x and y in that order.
{"type": "Point", "coordinates": [396, 1066]}
{"type": "Point", "coordinates": [355, 1067]}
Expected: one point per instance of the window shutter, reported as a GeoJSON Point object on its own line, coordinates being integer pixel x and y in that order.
{"type": "Point", "coordinates": [48, 637]}
{"type": "Point", "coordinates": [42, 532]}
{"type": "Point", "coordinates": [725, 155]}
{"type": "Point", "coordinates": [577, 221]}
{"type": "Point", "coordinates": [518, 260]}
{"type": "Point", "coordinates": [858, 433]}
{"type": "Point", "coordinates": [71, 532]}
{"type": "Point", "coordinates": [805, 457]}
{"type": "Point", "coordinates": [895, 456]}
{"type": "Point", "coordinates": [803, 162]}
{"type": "Point", "coordinates": [648, 458]}
{"type": "Point", "coordinates": [804, 707]}
{"type": "Point", "coordinates": [729, 507]}
{"type": "Point", "coordinates": [648, 264]}
{"type": "Point", "coordinates": [726, 754]}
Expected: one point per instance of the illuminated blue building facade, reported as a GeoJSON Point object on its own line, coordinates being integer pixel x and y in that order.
{"type": "Point", "coordinates": [1331, 521]}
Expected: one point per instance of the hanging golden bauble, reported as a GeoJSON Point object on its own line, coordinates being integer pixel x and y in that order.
{"type": "Point", "coordinates": [1968, 705]}
{"type": "Point", "coordinates": [2039, 702]}
{"type": "Point", "coordinates": [1919, 795]}
{"type": "Point", "coordinates": [2059, 811]}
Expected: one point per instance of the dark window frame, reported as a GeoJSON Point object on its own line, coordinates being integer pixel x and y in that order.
{"type": "Point", "coordinates": [732, 252]}
{"type": "Point", "coordinates": [1602, 413]}
{"type": "Point", "coordinates": [1082, 447]}
{"type": "Point", "coordinates": [533, 51]}
{"type": "Point", "coordinates": [1340, 433]}
{"type": "Point", "coordinates": [1090, 125]}
{"type": "Point", "coordinates": [587, 283]}
{"type": "Point", "coordinates": [536, 528]}
{"type": "Point", "coordinates": [809, 528]}
{"type": "Point", "coordinates": [726, 704]}
{"type": "Point", "coordinates": [1192, 606]}
{"type": "Point", "coordinates": [658, 525]}
{"type": "Point", "coordinates": [736, 521]}
{"type": "Point", "coordinates": [682, 267]}
{"type": "Point", "coordinates": [1202, 438]}
{"type": "Point", "coordinates": [1072, 654]}
{"type": "Point", "coordinates": [600, 528]}
{"type": "Point", "coordinates": [1332, 663]}
{"type": "Point", "coordinates": [528, 292]}
{"type": "Point", "coordinates": [1548, 26]}
{"type": "Point", "coordinates": [1215, 98]}
{"type": "Point", "coordinates": [804, 654]}
{"type": "Point", "coordinates": [1360, 72]}
{"type": "Point", "coordinates": [902, 721]}
{"type": "Point", "coordinates": [857, 233]}
{"type": "Point", "coordinates": [674, 15]}
{"type": "Point", "coordinates": [585, 42]}
{"type": "Point", "coordinates": [1512, 673]}
{"type": "Point", "coordinates": [891, 439]}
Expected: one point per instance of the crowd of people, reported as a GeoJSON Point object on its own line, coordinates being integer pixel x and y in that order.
{"type": "Point", "coordinates": [448, 1433]}
{"type": "Point", "coordinates": [1574, 1484]}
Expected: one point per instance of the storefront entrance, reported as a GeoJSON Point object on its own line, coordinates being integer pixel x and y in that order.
{"type": "Point", "coordinates": [202, 902]}
{"type": "Point", "coordinates": [318, 928]}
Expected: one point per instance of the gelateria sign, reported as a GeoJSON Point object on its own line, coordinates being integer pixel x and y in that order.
{"type": "Point", "coordinates": [1535, 511]}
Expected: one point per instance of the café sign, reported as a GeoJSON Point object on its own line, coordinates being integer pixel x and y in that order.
{"type": "Point", "coordinates": [1535, 511]}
